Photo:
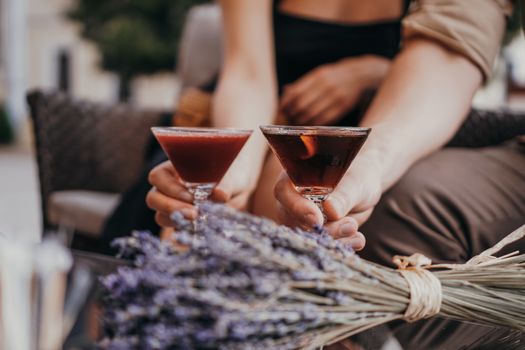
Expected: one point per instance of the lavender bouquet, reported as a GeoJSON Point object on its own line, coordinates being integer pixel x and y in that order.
{"type": "Point", "coordinates": [244, 282]}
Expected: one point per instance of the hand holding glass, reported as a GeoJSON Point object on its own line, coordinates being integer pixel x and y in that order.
{"type": "Point", "coordinates": [201, 156]}
{"type": "Point", "coordinates": [315, 157]}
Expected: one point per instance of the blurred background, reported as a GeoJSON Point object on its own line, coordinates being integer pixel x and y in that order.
{"type": "Point", "coordinates": [138, 52]}
{"type": "Point", "coordinates": [102, 51]}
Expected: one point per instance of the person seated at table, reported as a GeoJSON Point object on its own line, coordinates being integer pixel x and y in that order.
{"type": "Point", "coordinates": [323, 70]}
{"type": "Point", "coordinates": [414, 197]}
{"type": "Point", "coordinates": [320, 59]}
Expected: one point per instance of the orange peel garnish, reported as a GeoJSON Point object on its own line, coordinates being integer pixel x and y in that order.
{"type": "Point", "coordinates": [309, 145]}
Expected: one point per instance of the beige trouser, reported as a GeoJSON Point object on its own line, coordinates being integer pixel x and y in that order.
{"type": "Point", "coordinates": [449, 206]}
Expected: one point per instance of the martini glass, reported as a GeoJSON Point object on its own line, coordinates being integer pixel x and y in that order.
{"type": "Point", "coordinates": [201, 156]}
{"type": "Point", "coordinates": [315, 157]}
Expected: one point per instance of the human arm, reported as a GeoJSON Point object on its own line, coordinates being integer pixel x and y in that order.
{"type": "Point", "coordinates": [421, 103]}
{"type": "Point", "coordinates": [449, 46]}
{"type": "Point", "coordinates": [247, 92]}
{"type": "Point", "coordinates": [245, 98]}
{"type": "Point", "coordinates": [325, 94]}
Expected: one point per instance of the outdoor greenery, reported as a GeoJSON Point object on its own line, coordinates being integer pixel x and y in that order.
{"type": "Point", "coordinates": [134, 37]}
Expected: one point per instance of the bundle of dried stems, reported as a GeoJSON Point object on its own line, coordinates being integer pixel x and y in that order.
{"type": "Point", "coordinates": [247, 283]}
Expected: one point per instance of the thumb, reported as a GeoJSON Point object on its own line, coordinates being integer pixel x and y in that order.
{"type": "Point", "coordinates": [299, 208]}
{"type": "Point", "coordinates": [339, 203]}
{"type": "Point", "coordinates": [223, 192]}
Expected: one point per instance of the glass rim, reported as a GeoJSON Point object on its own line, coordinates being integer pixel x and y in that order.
{"type": "Point", "coordinates": [330, 130]}
{"type": "Point", "coordinates": [189, 130]}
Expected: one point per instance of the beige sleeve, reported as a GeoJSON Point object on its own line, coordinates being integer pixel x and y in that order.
{"type": "Point", "coordinates": [473, 28]}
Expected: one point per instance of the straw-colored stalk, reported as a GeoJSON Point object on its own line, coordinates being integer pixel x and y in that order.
{"type": "Point", "coordinates": [264, 286]}
{"type": "Point", "coordinates": [486, 290]}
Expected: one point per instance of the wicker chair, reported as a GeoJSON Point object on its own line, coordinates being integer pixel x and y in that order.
{"type": "Point", "coordinates": [87, 155]}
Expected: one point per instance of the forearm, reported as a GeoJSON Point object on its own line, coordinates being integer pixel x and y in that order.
{"type": "Point", "coordinates": [246, 94]}
{"type": "Point", "coordinates": [418, 108]}
{"type": "Point", "coordinates": [370, 70]}
{"type": "Point", "coordinates": [246, 103]}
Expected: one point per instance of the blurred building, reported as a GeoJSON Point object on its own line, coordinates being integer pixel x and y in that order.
{"type": "Point", "coordinates": [41, 48]}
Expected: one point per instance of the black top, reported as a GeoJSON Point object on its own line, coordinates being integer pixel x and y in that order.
{"type": "Point", "coordinates": [303, 44]}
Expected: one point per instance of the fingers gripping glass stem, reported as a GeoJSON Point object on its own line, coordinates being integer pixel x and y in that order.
{"type": "Point", "coordinates": [315, 157]}
{"type": "Point", "coordinates": [318, 199]}
{"type": "Point", "coordinates": [201, 192]}
{"type": "Point", "coordinates": [201, 157]}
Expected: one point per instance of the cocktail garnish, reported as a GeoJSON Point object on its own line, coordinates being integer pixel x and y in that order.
{"type": "Point", "coordinates": [310, 146]}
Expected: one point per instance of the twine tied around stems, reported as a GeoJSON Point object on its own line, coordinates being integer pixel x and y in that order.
{"type": "Point", "coordinates": [425, 288]}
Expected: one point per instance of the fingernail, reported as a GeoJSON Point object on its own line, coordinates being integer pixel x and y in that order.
{"type": "Point", "coordinates": [348, 229]}
{"type": "Point", "coordinates": [220, 194]}
{"type": "Point", "coordinates": [353, 244]}
{"type": "Point", "coordinates": [190, 213]}
{"type": "Point", "coordinates": [186, 196]}
{"type": "Point", "coordinates": [349, 245]}
{"type": "Point", "coordinates": [336, 205]}
{"type": "Point", "coordinates": [311, 220]}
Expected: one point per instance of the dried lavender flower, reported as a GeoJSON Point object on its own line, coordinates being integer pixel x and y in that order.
{"type": "Point", "coordinates": [248, 283]}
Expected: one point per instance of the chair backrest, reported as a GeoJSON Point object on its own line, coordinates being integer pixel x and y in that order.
{"type": "Point", "coordinates": [82, 145]}
{"type": "Point", "coordinates": [200, 52]}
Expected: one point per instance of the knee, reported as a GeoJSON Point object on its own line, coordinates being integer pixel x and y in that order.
{"type": "Point", "coordinates": [418, 214]}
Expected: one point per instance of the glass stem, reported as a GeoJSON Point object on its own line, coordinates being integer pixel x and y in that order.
{"type": "Point", "coordinates": [200, 196]}
{"type": "Point", "coordinates": [201, 193]}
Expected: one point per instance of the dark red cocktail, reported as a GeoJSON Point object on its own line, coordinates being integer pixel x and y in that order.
{"type": "Point", "coordinates": [201, 157]}
{"type": "Point", "coordinates": [315, 158]}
